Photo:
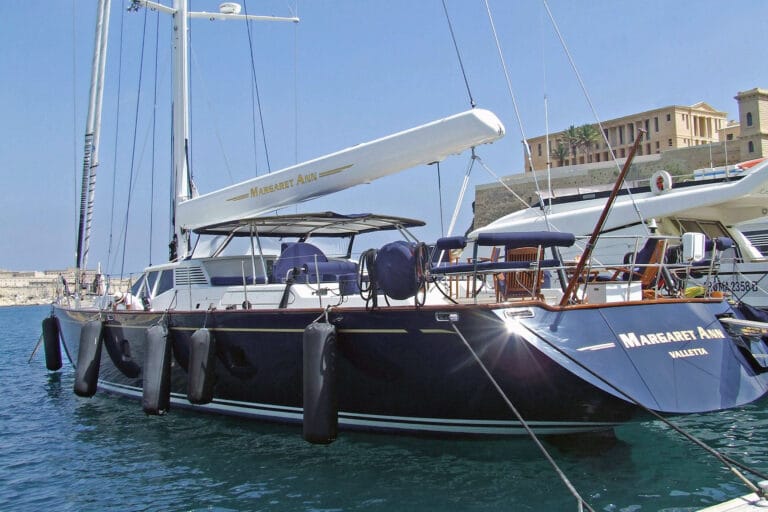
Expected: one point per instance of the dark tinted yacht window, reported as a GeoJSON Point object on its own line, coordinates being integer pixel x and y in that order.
{"type": "Point", "coordinates": [166, 282]}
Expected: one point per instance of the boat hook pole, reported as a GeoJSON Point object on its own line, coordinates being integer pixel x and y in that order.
{"type": "Point", "coordinates": [570, 291]}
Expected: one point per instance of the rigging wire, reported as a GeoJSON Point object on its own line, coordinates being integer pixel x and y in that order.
{"type": "Point", "coordinates": [133, 147]}
{"type": "Point", "coordinates": [472, 105]}
{"type": "Point", "coordinates": [519, 121]}
{"type": "Point", "coordinates": [253, 130]}
{"type": "Point", "coordinates": [501, 181]}
{"type": "Point", "coordinates": [440, 198]}
{"type": "Point", "coordinates": [547, 143]}
{"type": "Point", "coordinates": [296, 86]}
{"type": "Point", "coordinates": [458, 55]}
{"type": "Point", "coordinates": [117, 138]}
{"type": "Point", "coordinates": [212, 112]}
{"type": "Point", "coordinates": [138, 166]}
{"type": "Point", "coordinates": [460, 199]}
{"type": "Point", "coordinates": [74, 114]}
{"type": "Point", "coordinates": [591, 106]}
{"type": "Point", "coordinates": [253, 102]}
{"type": "Point", "coordinates": [514, 104]}
{"type": "Point", "coordinates": [549, 153]}
{"type": "Point", "coordinates": [255, 89]}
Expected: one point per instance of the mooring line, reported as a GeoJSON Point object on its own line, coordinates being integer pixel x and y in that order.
{"type": "Point", "coordinates": [525, 425]}
{"type": "Point", "coordinates": [732, 464]}
{"type": "Point", "coordinates": [39, 341]}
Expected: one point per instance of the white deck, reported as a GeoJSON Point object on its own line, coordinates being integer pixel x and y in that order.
{"type": "Point", "coordinates": [749, 503]}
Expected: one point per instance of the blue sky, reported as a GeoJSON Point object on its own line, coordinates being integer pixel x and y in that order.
{"type": "Point", "coordinates": [350, 71]}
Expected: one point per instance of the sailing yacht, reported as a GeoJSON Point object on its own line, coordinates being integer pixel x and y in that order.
{"type": "Point", "coordinates": [409, 337]}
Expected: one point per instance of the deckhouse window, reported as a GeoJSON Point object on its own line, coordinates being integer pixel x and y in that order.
{"type": "Point", "coordinates": [151, 280]}
{"type": "Point", "coordinates": [712, 229]}
{"type": "Point", "coordinates": [138, 286]}
{"type": "Point", "coordinates": [165, 282]}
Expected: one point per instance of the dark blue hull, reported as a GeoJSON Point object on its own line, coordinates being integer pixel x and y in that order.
{"type": "Point", "coordinates": [408, 370]}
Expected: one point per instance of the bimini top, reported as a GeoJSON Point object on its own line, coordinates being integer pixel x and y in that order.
{"type": "Point", "coordinates": [304, 225]}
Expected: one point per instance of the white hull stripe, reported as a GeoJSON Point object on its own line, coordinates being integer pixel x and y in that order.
{"type": "Point", "coordinates": [601, 346]}
{"type": "Point", "coordinates": [369, 421]}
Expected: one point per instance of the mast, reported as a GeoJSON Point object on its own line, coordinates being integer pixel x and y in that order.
{"type": "Point", "coordinates": [182, 184]}
{"type": "Point", "coordinates": [92, 135]}
{"type": "Point", "coordinates": [179, 246]}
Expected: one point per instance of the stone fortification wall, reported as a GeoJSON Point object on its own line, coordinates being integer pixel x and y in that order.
{"type": "Point", "coordinates": [35, 287]}
{"type": "Point", "coordinates": [32, 293]}
{"type": "Point", "coordinates": [493, 200]}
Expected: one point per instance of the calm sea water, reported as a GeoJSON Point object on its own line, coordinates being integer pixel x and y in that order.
{"type": "Point", "coordinates": [67, 453]}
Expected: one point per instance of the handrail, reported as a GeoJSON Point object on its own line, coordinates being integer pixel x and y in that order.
{"type": "Point", "coordinates": [668, 280]}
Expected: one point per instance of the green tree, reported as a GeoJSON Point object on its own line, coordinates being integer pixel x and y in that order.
{"type": "Point", "coordinates": [587, 135]}
{"type": "Point", "coordinates": [571, 136]}
{"type": "Point", "coordinates": [560, 152]}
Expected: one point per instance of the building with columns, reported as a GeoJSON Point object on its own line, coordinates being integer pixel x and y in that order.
{"type": "Point", "coordinates": [666, 128]}
{"type": "Point", "coordinates": [677, 140]}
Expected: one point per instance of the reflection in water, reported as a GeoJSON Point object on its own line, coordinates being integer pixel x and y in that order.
{"type": "Point", "coordinates": [53, 386]}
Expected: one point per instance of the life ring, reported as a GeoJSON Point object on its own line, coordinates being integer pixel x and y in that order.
{"type": "Point", "coordinates": [661, 181]}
